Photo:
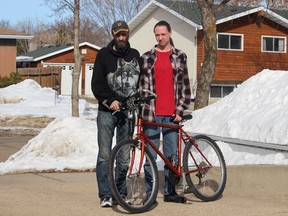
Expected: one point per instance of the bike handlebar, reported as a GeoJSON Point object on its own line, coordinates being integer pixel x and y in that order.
{"type": "Point", "coordinates": [137, 100]}
{"type": "Point", "coordinates": [134, 102]}
{"type": "Point", "coordinates": [184, 117]}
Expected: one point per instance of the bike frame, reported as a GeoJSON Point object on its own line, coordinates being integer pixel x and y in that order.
{"type": "Point", "coordinates": [182, 136]}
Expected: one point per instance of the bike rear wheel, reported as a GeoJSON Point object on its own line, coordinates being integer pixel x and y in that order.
{"type": "Point", "coordinates": [127, 178]}
{"type": "Point", "coordinates": [205, 168]}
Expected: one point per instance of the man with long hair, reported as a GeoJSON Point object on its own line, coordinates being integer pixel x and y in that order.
{"type": "Point", "coordinates": [164, 72]}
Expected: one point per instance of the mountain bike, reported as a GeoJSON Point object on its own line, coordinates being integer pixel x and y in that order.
{"type": "Point", "coordinates": [200, 167]}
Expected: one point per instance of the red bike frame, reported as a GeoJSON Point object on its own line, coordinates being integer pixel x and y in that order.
{"type": "Point", "coordinates": [182, 135]}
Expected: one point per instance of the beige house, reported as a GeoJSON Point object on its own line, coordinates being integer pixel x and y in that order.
{"type": "Point", "coordinates": [249, 39]}
{"type": "Point", "coordinates": [8, 50]}
{"type": "Point", "coordinates": [184, 32]}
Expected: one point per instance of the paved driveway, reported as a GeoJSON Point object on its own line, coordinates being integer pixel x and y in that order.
{"type": "Point", "coordinates": [250, 191]}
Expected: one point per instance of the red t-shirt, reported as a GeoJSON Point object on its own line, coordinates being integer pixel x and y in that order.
{"type": "Point", "coordinates": [164, 84]}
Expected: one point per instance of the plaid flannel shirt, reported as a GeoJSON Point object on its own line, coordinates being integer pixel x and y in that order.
{"type": "Point", "coordinates": [181, 81]}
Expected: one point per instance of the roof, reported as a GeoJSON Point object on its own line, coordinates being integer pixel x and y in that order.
{"type": "Point", "coordinates": [49, 51]}
{"type": "Point", "coordinates": [190, 13]}
{"type": "Point", "coordinates": [171, 6]}
{"type": "Point", "coordinates": [12, 34]}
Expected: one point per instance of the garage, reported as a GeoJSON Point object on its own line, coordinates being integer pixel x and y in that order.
{"type": "Point", "coordinates": [63, 55]}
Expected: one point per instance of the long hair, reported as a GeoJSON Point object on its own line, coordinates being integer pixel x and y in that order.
{"type": "Point", "coordinates": [167, 25]}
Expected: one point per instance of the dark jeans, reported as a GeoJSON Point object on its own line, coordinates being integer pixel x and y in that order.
{"type": "Point", "coordinates": [107, 123]}
{"type": "Point", "coordinates": [170, 138]}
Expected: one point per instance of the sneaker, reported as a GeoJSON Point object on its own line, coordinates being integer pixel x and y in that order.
{"type": "Point", "coordinates": [174, 197]}
{"type": "Point", "coordinates": [106, 202]}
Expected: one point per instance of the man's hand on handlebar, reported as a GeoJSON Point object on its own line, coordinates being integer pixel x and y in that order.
{"type": "Point", "coordinates": [115, 105]}
{"type": "Point", "coordinates": [131, 103]}
{"type": "Point", "coordinates": [176, 118]}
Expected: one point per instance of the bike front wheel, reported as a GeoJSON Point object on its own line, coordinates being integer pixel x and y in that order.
{"type": "Point", "coordinates": [205, 168]}
{"type": "Point", "coordinates": [127, 177]}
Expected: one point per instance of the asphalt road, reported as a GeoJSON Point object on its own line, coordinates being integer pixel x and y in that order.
{"type": "Point", "coordinates": [250, 191]}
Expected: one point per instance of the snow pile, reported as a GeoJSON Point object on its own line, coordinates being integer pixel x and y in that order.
{"type": "Point", "coordinates": [65, 144]}
{"type": "Point", "coordinates": [256, 111]}
{"type": "Point", "coordinates": [38, 101]}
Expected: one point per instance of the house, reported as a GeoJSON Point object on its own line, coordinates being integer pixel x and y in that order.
{"type": "Point", "coordinates": [63, 56]}
{"type": "Point", "coordinates": [249, 39]}
{"type": "Point", "coordinates": [8, 50]}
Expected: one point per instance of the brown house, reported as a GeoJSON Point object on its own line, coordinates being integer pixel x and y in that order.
{"type": "Point", "coordinates": [249, 39]}
{"type": "Point", "coordinates": [246, 46]}
{"type": "Point", "coordinates": [8, 51]}
{"type": "Point", "coordinates": [63, 56]}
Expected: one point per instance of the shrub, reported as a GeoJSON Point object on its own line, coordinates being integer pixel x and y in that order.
{"type": "Point", "coordinates": [12, 79]}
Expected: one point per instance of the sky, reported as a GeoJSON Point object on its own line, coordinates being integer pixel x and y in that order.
{"type": "Point", "coordinates": [256, 111]}
{"type": "Point", "coordinates": [18, 10]}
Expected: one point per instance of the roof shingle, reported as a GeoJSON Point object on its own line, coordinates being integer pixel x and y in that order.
{"type": "Point", "coordinates": [191, 11]}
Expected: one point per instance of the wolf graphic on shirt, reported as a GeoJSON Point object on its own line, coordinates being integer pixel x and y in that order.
{"type": "Point", "coordinates": [124, 80]}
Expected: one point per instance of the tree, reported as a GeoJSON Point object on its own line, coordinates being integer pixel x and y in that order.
{"type": "Point", "coordinates": [105, 12]}
{"type": "Point", "coordinates": [62, 32]}
{"type": "Point", "coordinates": [78, 59]}
{"type": "Point", "coordinates": [5, 23]}
{"type": "Point", "coordinates": [208, 12]}
{"type": "Point", "coordinates": [91, 32]}
{"type": "Point", "coordinates": [27, 26]}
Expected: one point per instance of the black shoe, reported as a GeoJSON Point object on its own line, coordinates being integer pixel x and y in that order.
{"type": "Point", "coordinates": [174, 197]}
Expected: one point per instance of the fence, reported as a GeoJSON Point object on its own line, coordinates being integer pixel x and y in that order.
{"type": "Point", "coordinates": [46, 77]}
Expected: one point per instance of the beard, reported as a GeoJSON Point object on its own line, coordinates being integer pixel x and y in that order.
{"type": "Point", "coordinates": [121, 46]}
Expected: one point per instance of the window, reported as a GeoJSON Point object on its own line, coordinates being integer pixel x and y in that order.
{"type": "Point", "coordinates": [230, 41]}
{"type": "Point", "coordinates": [273, 44]}
{"type": "Point", "coordinates": [220, 91]}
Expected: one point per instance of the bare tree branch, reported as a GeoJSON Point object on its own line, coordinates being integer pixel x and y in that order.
{"type": "Point", "coordinates": [105, 12]}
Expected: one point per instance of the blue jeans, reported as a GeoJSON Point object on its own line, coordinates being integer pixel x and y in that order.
{"type": "Point", "coordinates": [170, 138]}
{"type": "Point", "coordinates": [106, 123]}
